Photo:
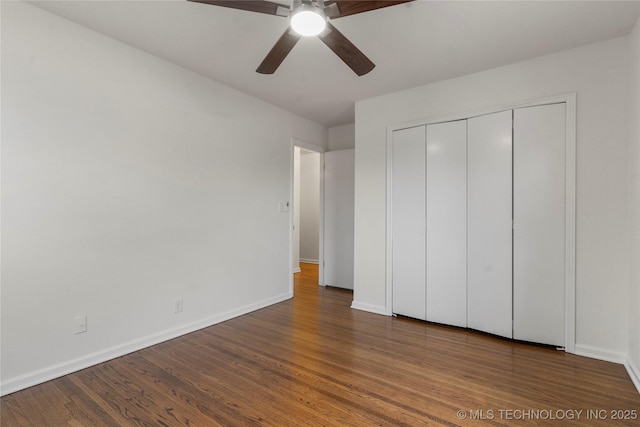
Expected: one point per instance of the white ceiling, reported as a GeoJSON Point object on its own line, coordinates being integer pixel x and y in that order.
{"type": "Point", "coordinates": [411, 44]}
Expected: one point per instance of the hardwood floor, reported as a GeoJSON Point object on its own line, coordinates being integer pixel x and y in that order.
{"type": "Point", "coordinates": [313, 361]}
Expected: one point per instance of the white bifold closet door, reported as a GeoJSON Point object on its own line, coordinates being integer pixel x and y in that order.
{"type": "Point", "coordinates": [408, 222]}
{"type": "Point", "coordinates": [447, 223]}
{"type": "Point", "coordinates": [539, 224]}
{"type": "Point", "coordinates": [489, 224]}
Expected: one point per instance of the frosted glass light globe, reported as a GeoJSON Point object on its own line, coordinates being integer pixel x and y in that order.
{"type": "Point", "coordinates": [308, 23]}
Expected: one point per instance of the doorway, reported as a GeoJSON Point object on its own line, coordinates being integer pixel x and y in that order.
{"type": "Point", "coordinates": [322, 219]}
{"type": "Point", "coordinates": [307, 209]}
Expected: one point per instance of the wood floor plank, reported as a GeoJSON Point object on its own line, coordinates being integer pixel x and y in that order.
{"type": "Point", "coordinates": [313, 361]}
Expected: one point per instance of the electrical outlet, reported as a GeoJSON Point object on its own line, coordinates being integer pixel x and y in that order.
{"type": "Point", "coordinates": [81, 324]}
{"type": "Point", "coordinates": [177, 305]}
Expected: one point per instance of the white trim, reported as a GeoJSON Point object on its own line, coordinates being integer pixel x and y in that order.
{"type": "Point", "coordinates": [321, 221]}
{"type": "Point", "coordinates": [308, 145]}
{"type": "Point", "coordinates": [377, 309]}
{"type": "Point", "coordinates": [599, 353]}
{"type": "Point", "coordinates": [310, 261]}
{"type": "Point", "coordinates": [557, 99]}
{"type": "Point", "coordinates": [570, 225]}
{"type": "Point", "coordinates": [610, 356]}
{"type": "Point", "coordinates": [46, 374]}
{"type": "Point", "coordinates": [570, 196]}
{"type": "Point", "coordinates": [389, 237]}
{"type": "Point", "coordinates": [634, 373]}
{"type": "Point", "coordinates": [290, 267]}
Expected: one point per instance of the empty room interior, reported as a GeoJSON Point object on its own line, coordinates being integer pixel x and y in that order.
{"type": "Point", "coordinates": [319, 213]}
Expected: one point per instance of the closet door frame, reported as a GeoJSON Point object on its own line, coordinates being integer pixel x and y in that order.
{"type": "Point", "coordinates": [570, 197]}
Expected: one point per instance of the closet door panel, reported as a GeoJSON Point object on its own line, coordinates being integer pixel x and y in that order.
{"type": "Point", "coordinates": [408, 222]}
{"type": "Point", "coordinates": [489, 224]}
{"type": "Point", "coordinates": [539, 224]}
{"type": "Point", "coordinates": [446, 223]}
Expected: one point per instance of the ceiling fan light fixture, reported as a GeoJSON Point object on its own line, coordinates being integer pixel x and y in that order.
{"type": "Point", "coordinates": [308, 20]}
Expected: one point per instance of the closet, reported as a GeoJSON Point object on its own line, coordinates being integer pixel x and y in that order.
{"type": "Point", "coordinates": [478, 223]}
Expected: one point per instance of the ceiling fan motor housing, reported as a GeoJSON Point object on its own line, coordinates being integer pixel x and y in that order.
{"type": "Point", "coordinates": [317, 3]}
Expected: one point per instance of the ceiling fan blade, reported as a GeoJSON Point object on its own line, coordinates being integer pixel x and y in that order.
{"type": "Point", "coordinates": [349, 7]}
{"type": "Point", "coordinates": [278, 52]}
{"type": "Point", "coordinates": [351, 55]}
{"type": "Point", "coordinates": [250, 5]}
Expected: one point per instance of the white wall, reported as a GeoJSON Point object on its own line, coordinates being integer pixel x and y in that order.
{"type": "Point", "coordinates": [310, 207]}
{"type": "Point", "coordinates": [634, 200]}
{"type": "Point", "coordinates": [342, 137]}
{"type": "Point", "coordinates": [598, 73]}
{"type": "Point", "coordinates": [128, 182]}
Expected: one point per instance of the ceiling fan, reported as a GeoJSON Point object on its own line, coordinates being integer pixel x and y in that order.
{"type": "Point", "coordinates": [311, 18]}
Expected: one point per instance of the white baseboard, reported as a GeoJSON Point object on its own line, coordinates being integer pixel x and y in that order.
{"type": "Point", "coordinates": [49, 373]}
{"type": "Point", "coordinates": [600, 354]}
{"type": "Point", "coordinates": [309, 261]}
{"type": "Point", "coordinates": [610, 356]}
{"type": "Point", "coordinates": [377, 309]}
{"type": "Point", "coordinates": [297, 270]}
{"type": "Point", "coordinates": [634, 373]}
